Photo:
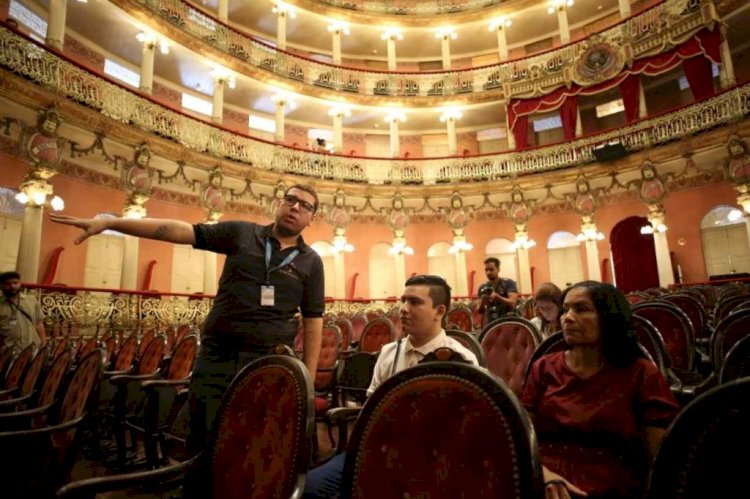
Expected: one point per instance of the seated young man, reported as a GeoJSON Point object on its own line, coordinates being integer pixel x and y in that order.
{"type": "Point", "coordinates": [424, 304]}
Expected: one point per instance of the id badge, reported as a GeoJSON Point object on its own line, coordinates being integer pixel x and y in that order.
{"type": "Point", "coordinates": [266, 296]}
{"type": "Point", "coordinates": [12, 323]}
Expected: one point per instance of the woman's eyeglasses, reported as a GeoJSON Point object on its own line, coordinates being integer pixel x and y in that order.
{"type": "Point", "coordinates": [290, 200]}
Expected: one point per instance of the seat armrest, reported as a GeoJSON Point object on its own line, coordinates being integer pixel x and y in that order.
{"type": "Point", "coordinates": [126, 378]}
{"type": "Point", "coordinates": [160, 383]}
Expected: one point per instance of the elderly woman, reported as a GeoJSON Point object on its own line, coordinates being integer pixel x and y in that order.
{"type": "Point", "coordinates": [600, 408]}
{"type": "Point", "coordinates": [547, 305]}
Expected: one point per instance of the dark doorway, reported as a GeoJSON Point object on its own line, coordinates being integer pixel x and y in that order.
{"type": "Point", "coordinates": [633, 255]}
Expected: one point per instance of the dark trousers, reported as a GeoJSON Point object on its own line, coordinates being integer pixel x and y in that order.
{"type": "Point", "coordinates": [215, 367]}
{"type": "Point", "coordinates": [324, 482]}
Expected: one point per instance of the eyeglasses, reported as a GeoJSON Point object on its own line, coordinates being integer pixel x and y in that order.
{"type": "Point", "coordinates": [290, 200]}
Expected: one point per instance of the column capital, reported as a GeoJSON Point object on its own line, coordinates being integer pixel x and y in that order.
{"type": "Point", "coordinates": [395, 116]}
{"type": "Point", "coordinates": [339, 28]}
{"type": "Point", "coordinates": [151, 40]}
{"type": "Point", "coordinates": [499, 24]}
{"type": "Point", "coordinates": [282, 9]}
{"type": "Point", "coordinates": [392, 34]}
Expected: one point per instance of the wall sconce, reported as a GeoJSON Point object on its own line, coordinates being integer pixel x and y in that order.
{"type": "Point", "coordinates": [283, 9]}
{"type": "Point", "coordinates": [649, 229]}
{"type": "Point", "coordinates": [558, 5]}
{"type": "Point", "coordinates": [446, 33]}
{"type": "Point", "coordinates": [284, 99]}
{"type": "Point", "coordinates": [523, 243]}
{"type": "Point", "coordinates": [460, 245]}
{"type": "Point", "coordinates": [223, 75]}
{"type": "Point", "coordinates": [341, 246]}
{"type": "Point", "coordinates": [392, 34]}
{"type": "Point", "coordinates": [340, 110]}
{"type": "Point", "coordinates": [500, 23]}
{"type": "Point", "coordinates": [399, 247]}
{"type": "Point", "coordinates": [134, 211]}
{"type": "Point", "coordinates": [590, 235]}
{"type": "Point", "coordinates": [339, 26]}
{"type": "Point", "coordinates": [151, 40]}
{"type": "Point", "coordinates": [395, 116]}
{"type": "Point", "coordinates": [451, 114]}
{"type": "Point", "coordinates": [38, 195]}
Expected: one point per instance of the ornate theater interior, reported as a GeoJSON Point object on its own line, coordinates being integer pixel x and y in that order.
{"type": "Point", "coordinates": [595, 139]}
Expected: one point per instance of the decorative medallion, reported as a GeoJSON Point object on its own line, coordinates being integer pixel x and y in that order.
{"type": "Point", "coordinates": [599, 62]}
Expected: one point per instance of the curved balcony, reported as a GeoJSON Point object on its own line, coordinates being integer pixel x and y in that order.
{"type": "Point", "coordinates": [653, 31]}
{"type": "Point", "coordinates": [412, 8]}
{"type": "Point", "coordinates": [21, 56]}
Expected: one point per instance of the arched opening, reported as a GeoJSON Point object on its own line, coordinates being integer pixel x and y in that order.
{"type": "Point", "coordinates": [328, 255]}
{"type": "Point", "coordinates": [633, 255]}
{"type": "Point", "coordinates": [441, 262]}
{"type": "Point", "coordinates": [104, 255]}
{"type": "Point", "coordinates": [382, 272]}
{"type": "Point", "coordinates": [11, 222]}
{"type": "Point", "coordinates": [503, 250]}
{"type": "Point", "coordinates": [725, 242]}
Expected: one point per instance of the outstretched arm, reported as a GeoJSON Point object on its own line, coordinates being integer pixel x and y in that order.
{"type": "Point", "coordinates": [173, 231]}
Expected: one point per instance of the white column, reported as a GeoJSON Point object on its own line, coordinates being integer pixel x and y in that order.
{"type": "Point", "coordinates": [209, 272]}
{"type": "Point", "coordinates": [400, 265]}
{"type": "Point", "coordinates": [445, 50]}
{"type": "Point", "coordinates": [511, 137]}
{"type": "Point", "coordinates": [726, 69]}
{"type": "Point", "coordinates": [217, 114]}
{"type": "Point", "coordinates": [524, 271]}
{"type": "Point", "coordinates": [661, 247]}
{"type": "Point", "coordinates": [340, 271]}
{"type": "Point", "coordinates": [391, 53]}
{"type": "Point", "coordinates": [592, 261]}
{"type": "Point", "coordinates": [279, 133]}
{"type": "Point", "coordinates": [462, 282]}
{"type": "Point", "coordinates": [502, 42]}
{"type": "Point", "coordinates": [579, 123]}
{"type": "Point", "coordinates": [223, 10]}
{"type": "Point", "coordinates": [281, 29]}
{"type": "Point", "coordinates": [337, 29]}
{"type": "Point", "coordinates": [147, 67]}
{"type": "Point", "coordinates": [31, 241]}
{"type": "Point", "coordinates": [562, 21]}
{"type": "Point", "coordinates": [129, 275]}
{"type": "Point", "coordinates": [642, 109]}
{"type": "Point", "coordinates": [395, 142]}
{"type": "Point", "coordinates": [338, 132]}
{"type": "Point", "coordinates": [624, 8]}
{"type": "Point", "coordinates": [450, 124]}
{"type": "Point", "coordinates": [56, 27]}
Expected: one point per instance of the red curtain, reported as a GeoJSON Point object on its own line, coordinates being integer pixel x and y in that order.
{"type": "Point", "coordinates": [520, 129]}
{"type": "Point", "coordinates": [568, 115]}
{"type": "Point", "coordinates": [699, 76]}
{"type": "Point", "coordinates": [630, 91]}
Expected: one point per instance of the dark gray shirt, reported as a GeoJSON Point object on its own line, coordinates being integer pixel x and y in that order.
{"type": "Point", "coordinates": [237, 316]}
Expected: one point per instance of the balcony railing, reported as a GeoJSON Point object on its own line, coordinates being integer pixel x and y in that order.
{"type": "Point", "coordinates": [24, 57]}
{"type": "Point", "coordinates": [412, 7]}
{"type": "Point", "coordinates": [656, 29]}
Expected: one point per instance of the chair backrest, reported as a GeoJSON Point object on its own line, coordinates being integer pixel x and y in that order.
{"type": "Point", "coordinates": [694, 309]}
{"type": "Point", "coordinates": [736, 364]}
{"type": "Point", "coordinates": [182, 331]}
{"type": "Point", "coordinates": [725, 305]}
{"type": "Point", "coordinates": [183, 358]}
{"type": "Point", "coordinates": [551, 344]}
{"type": "Point", "coordinates": [461, 318]}
{"type": "Point", "coordinates": [152, 356]}
{"type": "Point", "coordinates": [346, 328]}
{"type": "Point", "coordinates": [127, 352]}
{"type": "Point", "coordinates": [508, 344]}
{"type": "Point", "coordinates": [263, 431]}
{"type": "Point", "coordinates": [729, 331]}
{"type": "Point", "coordinates": [467, 436]}
{"type": "Point", "coordinates": [61, 344]}
{"type": "Point", "coordinates": [704, 452]}
{"type": "Point", "coordinates": [675, 329]}
{"type": "Point", "coordinates": [53, 378]}
{"type": "Point", "coordinates": [6, 357]}
{"type": "Point", "coordinates": [328, 359]}
{"type": "Point", "coordinates": [359, 321]}
{"type": "Point", "coordinates": [31, 375]}
{"type": "Point", "coordinates": [355, 374]}
{"type": "Point", "coordinates": [469, 341]}
{"type": "Point", "coordinates": [145, 340]}
{"type": "Point", "coordinates": [79, 387]}
{"type": "Point", "coordinates": [87, 347]}
{"type": "Point", "coordinates": [650, 339]}
{"type": "Point", "coordinates": [377, 333]}
{"type": "Point", "coordinates": [109, 343]}
{"type": "Point", "coordinates": [13, 377]}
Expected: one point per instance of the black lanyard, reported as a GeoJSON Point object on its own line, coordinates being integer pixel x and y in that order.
{"type": "Point", "coordinates": [291, 256]}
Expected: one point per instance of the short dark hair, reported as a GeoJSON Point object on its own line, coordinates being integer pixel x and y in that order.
{"type": "Point", "coordinates": [440, 292]}
{"type": "Point", "coordinates": [308, 189]}
{"type": "Point", "coordinates": [494, 260]}
{"type": "Point", "coordinates": [7, 276]}
{"type": "Point", "coordinates": [619, 343]}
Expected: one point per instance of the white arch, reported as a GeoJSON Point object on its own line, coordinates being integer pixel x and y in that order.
{"type": "Point", "coordinates": [562, 239]}
{"type": "Point", "coordinates": [441, 262]}
{"type": "Point", "coordinates": [564, 257]}
{"type": "Point", "coordinates": [724, 235]}
{"type": "Point", "coordinates": [502, 249]}
{"type": "Point", "coordinates": [382, 272]}
{"type": "Point", "coordinates": [328, 255]}
{"type": "Point", "coordinates": [722, 215]}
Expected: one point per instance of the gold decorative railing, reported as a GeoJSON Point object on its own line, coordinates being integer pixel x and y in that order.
{"type": "Point", "coordinates": [412, 7]}
{"type": "Point", "coordinates": [654, 30]}
{"type": "Point", "coordinates": [26, 58]}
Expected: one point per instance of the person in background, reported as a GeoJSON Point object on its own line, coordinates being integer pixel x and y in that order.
{"type": "Point", "coordinates": [269, 276]}
{"type": "Point", "coordinates": [548, 306]}
{"type": "Point", "coordinates": [498, 296]}
{"type": "Point", "coordinates": [424, 304]}
{"type": "Point", "coordinates": [21, 318]}
{"type": "Point", "coordinates": [600, 408]}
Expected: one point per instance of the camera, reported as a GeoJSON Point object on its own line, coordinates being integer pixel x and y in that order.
{"type": "Point", "coordinates": [485, 289]}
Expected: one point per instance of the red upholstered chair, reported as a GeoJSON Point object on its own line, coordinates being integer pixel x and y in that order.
{"type": "Point", "coordinates": [376, 334]}
{"type": "Point", "coordinates": [725, 305]}
{"type": "Point", "coordinates": [42, 457]}
{"type": "Point", "coordinates": [23, 388]}
{"type": "Point", "coordinates": [460, 317]}
{"type": "Point", "coordinates": [637, 297]}
{"type": "Point", "coordinates": [16, 370]}
{"type": "Point", "coordinates": [704, 452]}
{"type": "Point", "coordinates": [87, 346]}
{"type": "Point", "coordinates": [729, 331]}
{"type": "Point", "coordinates": [325, 378]}
{"type": "Point", "coordinates": [508, 344]}
{"type": "Point", "coordinates": [346, 328]}
{"type": "Point", "coordinates": [650, 338]}
{"type": "Point", "coordinates": [675, 329]}
{"type": "Point", "coordinates": [551, 344]}
{"type": "Point", "coordinates": [42, 401]}
{"type": "Point", "coordinates": [260, 448]}
{"type": "Point", "coordinates": [59, 346]}
{"type": "Point", "coordinates": [145, 339]}
{"type": "Point", "coordinates": [442, 429]}
{"type": "Point", "coordinates": [359, 321]}
{"type": "Point", "coordinates": [469, 341]}
{"type": "Point", "coordinates": [695, 311]}
{"type": "Point", "coordinates": [736, 364]}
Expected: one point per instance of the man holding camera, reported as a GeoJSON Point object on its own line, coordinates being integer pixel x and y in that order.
{"type": "Point", "coordinates": [497, 296]}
